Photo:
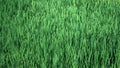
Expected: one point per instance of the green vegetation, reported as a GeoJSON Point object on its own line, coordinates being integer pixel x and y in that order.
{"type": "Point", "coordinates": [59, 33]}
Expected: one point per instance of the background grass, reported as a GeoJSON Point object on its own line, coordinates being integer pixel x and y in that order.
{"type": "Point", "coordinates": [59, 33]}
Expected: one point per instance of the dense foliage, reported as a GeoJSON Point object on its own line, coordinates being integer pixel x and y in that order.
{"type": "Point", "coordinates": [59, 33]}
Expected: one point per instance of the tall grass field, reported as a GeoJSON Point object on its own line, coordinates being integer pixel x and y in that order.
{"type": "Point", "coordinates": [59, 33]}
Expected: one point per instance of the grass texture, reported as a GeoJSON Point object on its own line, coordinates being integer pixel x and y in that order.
{"type": "Point", "coordinates": [59, 33]}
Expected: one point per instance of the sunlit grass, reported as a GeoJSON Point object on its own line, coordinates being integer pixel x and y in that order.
{"type": "Point", "coordinates": [59, 34]}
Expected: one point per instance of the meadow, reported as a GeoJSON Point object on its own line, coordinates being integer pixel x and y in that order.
{"type": "Point", "coordinates": [59, 33]}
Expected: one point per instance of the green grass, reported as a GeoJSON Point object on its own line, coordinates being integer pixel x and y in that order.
{"type": "Point", "coordinates": [59, 33]}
